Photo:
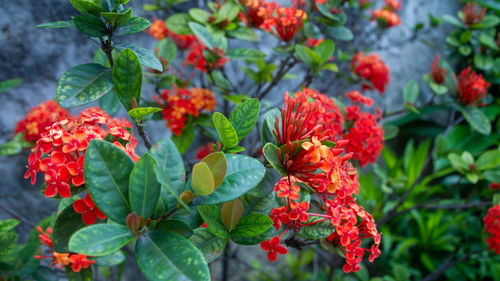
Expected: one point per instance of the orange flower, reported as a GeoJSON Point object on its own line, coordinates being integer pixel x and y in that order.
{"type": "Point", "coordinates": [385, 18]}
{"type": "Point", "coordinates": [283, 22]}
{"type": "Point", "coordinates": [316, 149]}
{"type": "Point", "coordinates": [393, 5]}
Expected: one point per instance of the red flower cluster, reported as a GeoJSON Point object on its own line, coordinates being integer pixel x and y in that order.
{"type": "Point", "coordinates": [311, 42]}
{"type": "Point", "coordinates": [159, 31]}
{"type": "Point", "coordinates": [372, 70]}
{"type": "Point", "coordinates": [492, 227]}
{"type": "Point", "coordinates": [387, 17]}
{"type": "Point", "coordinates": [205, 59]}
{"type": "Point", "coordinates": [308, 160]}
{"type": "Point", "coordinates": [438, 74]}
{"type": "Point", "coordinates": [471, 87]}
{"type": "Point", "coordinates": [77, 261]}
{"type": "Point", "coordinates": [60, 151]}
{"type": "Point", "coordinates": [38, 118]}
{"type": "Point", "coordinates": [283, 22]}
{"type": "Point", "coordinates": [472, 15]}
{"type": "Point", "coordinates": [204, 151]}
{"type": "Point", "coordinates": [88, 210]}
{"type": "Point", "coordinates": [255, 12]}
{"type": "Point", "coordinates": [179, 104]}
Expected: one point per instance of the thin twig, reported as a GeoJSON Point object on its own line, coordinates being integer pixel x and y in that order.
{"type": "Point", "coordinates": [449, 263]}
{"type": "Point", "coordinates": [16, 216]}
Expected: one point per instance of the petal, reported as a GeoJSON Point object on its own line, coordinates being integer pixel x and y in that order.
{"type": "Point", "coordinates": [307, 145]}
{"type": "Point", "coordinates": [80, 207]}
{"type": "Point", "coordinates": [265, 245]}
{"type": "Point", "coordinates": [272, 256]}
{"type": "Point", "coordinates": [89, 218]}
{"type": "Point", "coordinates": [63, 189]}
{"type": "Point", "coordinates": [282, 250]}
{"type": "Point", "coordinates": [50, 190]}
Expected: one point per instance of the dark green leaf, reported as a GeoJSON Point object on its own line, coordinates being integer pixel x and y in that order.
{"type": "Point", "coordinates": [110, 102]}
{"type": "Point", "coordinates": [112, 259]}
{"type": "Point", "coordinates": [245, 54]}
{"type": "Point", "coordinates": [252, 225]}
{"type": "Point", "coordinates": [244, 117]}
{"type": "Point", "coordinates": [106, 170]}
{"type": "Point", "coordinates": [176, 226]}
{"type": "Point", "coordinates": [411, 92]}
{"type": "Point", "coordinates": [199, 15]}
{"type": "Point", "coordinates": [204, 35]}
{"type": "Point", "coordinates": [318, 230]}
{"type": "Point", "coordinates": [85, 274]}
{"type": "Point", "coordinates": [67, 223]}
{"type": "Point", "coordinates": [117, 19]}
{"type": "Point", "coordinates": [144, 189]}
{"type": "Point", "coordinates": [90, 25]}
{"type": "Point", "coordinates": [267, 127]}
{"type": "Point", "coordinates": [86, 6]}
{"type": "Point", "coordinates": [83, 84]}
{"type": "Point", "coordinates": [133, 25]}
{"type": "Point", "coordinates": [210, 245]}
{"type": "Point", "coordinates": [244, 33]}
{"type": "Point", "coordinates": [169, 162]}
{"type": "Point", "coordinates": [477, 120]}
{"type": "Point", "coordinates": [146, 58]}
{"type": "Point", "coordinates": [341, 33]}
{"type": "Point", "coordinates": [127, 77]}
{"type": "Point", "coordinates": [212, 217]}
{"type": "Point", "coordinates": [271, 154]}
{"type": "Point", "coordinates": [100, 239]}
{"type": "Point", "coordinates": [178, 23]}
{"type": "Point", "coordinates": [57, 24]}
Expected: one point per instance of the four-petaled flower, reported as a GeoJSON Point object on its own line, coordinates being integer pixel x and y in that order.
{"type": "Point", "coordinates": [273, 248]}
{"type": "Point", "coordinates": [88, 210]}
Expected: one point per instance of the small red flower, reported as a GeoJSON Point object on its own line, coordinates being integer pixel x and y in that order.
{"type": "Point", "coordinates": [88, 210]}
{"type": "Point", "coordinates": [79, 261]}
{"type": "Point", "coordinates": [299, 211]}
{"type": "Point", "coordinates": [203, 151]}
{"type": "Point", "coordinates": [287, 189]}
{"type": "Point", "coordinates": [356, 96]}
{"type": "Point", "coordinates": [373, 69]}
{"type": "Point", "coordinates": [472, 15]}
{"type": "Point", "coordinates": [471, 87]}
{"type": "Point", "coordinates": [274, 248]}
{"type": "Point", "coordinates": [494, 186]}
{"type": "Point", "coordinates": [311, 42]}
{"type": "Point", "coordinates": [438, 74]}
{"type": "Point", "coordinates": [276, 216]}
{"type": "Point", "coordinates": [159, 30]}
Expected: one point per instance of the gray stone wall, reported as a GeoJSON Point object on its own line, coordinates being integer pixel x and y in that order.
{"type": "Point", "coordinates": [40, 56]}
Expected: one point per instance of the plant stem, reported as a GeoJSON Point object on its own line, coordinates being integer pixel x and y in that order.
{"type": "Point", "coordinates": [225, 262]}
{"type": "Point", "coordinates": [448, 264]}
{"type": "Point", "coordinates": [16, 216]}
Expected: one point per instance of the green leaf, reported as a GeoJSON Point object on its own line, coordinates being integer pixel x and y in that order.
{"type": "Point", "coordinates": [492, 175]}
{"type": "Point", "coordinates": [308, 56]}
{"type": "Point", "coordinates": [218, 166]}
{"type": "Point", "coordinates": [144, 189]}
{"type": "Point", "coordinates": [226, 131]}
{"type": "Point", "coordinates": [202, 180]}
{"type": "Point", "coordinates": [267, 127]}
{"type": "Point", "coordinates": [488, 41]}
{"type": "Point", "coordinates": [10, 84]}
{"type": "Point", "coordinates": [141, 112]}
{"type": "Point", "coordinates": [199, 15]}
{"type": "Point", "coordinates": [178, 24]}
{"type": "Point", "coordinates": [488, 22]}
{"type": "Point", "coordinates": [453, 20]}
{"type": "Point", "coordinates": [252, 225]}
{"type": "Point", "coordinates": [167, 256]}
{"type": "Point", "coordinates": [236, 99]}
{"type": "Point", "coordinates": [185, 139]}
{"type": "Point", "coordinates": [86, 6]}
{"type": "Point", "coordinates": [331, 67]}
{"type": "Point", "coordinates": [90, 25]}
{"type": "Point", "coordinates": [488, 160]}
{"type": "Point", "coordinates": [146, 58]}
{"type": "Point", "coordinates": [83, 84]}
{"type": "Point", "coordinates": [411, 92]}
{"type": "Point", "coordinates": [465, 50]}
{"type": "Point", "coordinates": [390, 131]}
{"type": "Point", "coordinates": [228, 11]}
{"type": "Point", "coordinates": [244, 117]}
{"type": "Point", "coordinates": [110, 103]}
{"type": "Point", "coordinates": [117, 19]}
{"type": "Point", "coordinates": [166, 185]}
{"type": "Point", "coordinates": [231, 213]}
{"type": "Point", "coordinates": [100, 239]}
{"type": "Point", "coordinates": [176, 226]}
{"type": "Point", "coordinates": [243, 173]}
{"type": "Point", "coordinates": [112, 259]}
{"type": "Point", "coordinates": [341, 33]}
{"type": "Point", "coordinates": [127, 77]}
{"type": "Point", "coordinates": [83, 275]}
{"type": "Point", "coordinates": [167, 50]}
{"type": "Point", "coordinates": [209, 244]}
{"type": "Point", "coordinates": [57, 24]}
{"type": "Point", "coordinates": [169, 162]}
{"type": "Point", "coordinates": [14, 146]}
{"type": "Point", "coordinates": [106, 170]}
{"type": "Point", "coordinates": [213, 219]}
{"type": "Point", "coordinates": [8, 241]}
{"type": "Point", "coordinates": [204, 35]}
{"type": "Point", "coordinates": [483, 62]}
{"type": "Point", "coordinates": [245, 54]}
{"type": "Point", "coordinates": [132, 26]}
{"type": "Point", "coordinates": [272, 157]}
{"type": "Point", "coordinates": [244, 33]}
{"type": "Point", "coordinates": [477, 120]}
{"type": "Point", "coordinates": [325, 50]}
{"type": "Point", "coordinates": [8, 225]}
{"type": "Point", "coordinates": [318, 230]}
{"type": "Point", "coordinates": [67, 223]}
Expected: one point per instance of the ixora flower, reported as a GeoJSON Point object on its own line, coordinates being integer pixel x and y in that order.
{"type": "Point", "coordinates": [204, 59]}
{"type": "Point", "coordinates": [471, 87]}
{"type": "Point", "coordinates": [438, 74]}
{"type": "Point", "coordinates": [385, 18]}
{"type": "Point", "coordinates": [308, 160]}
{"type": "Point", "coordinates": [38, 118]}
{"type": "Point", "coordinates": [471, 15]}
{"type": "Point", "coordinates": [283, 22]}
{"type": "Point", "coordinates": [159, 30]}
{"type": "Point", "coordinates": [255, 12]}
{"type": "Point", "coordinates": [60, 151]}
{"type": "Point", "coordinates": [372, 70]}
{"type": "Point", "coordinates": [75, 261]}
{"type": "Point", "coordinates": [88, 210]}
{"type": "Point", "coordinates": [492, 228]}
{"type": "Point", "coordinates": [180, 104]}
{"type": "Point", "coordinates": [394, 5]}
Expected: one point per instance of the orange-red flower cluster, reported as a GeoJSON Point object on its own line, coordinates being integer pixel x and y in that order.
{"type": "Point", "coordinates": [283, 22]}
{"type": "Point", "coordinates": [255, 12]}
{"type": "Point", "coordinates": [38, 118]}
{"type": "Point", "coordinates": [387, 17]}
{"type": "Point", "coordinates": [203, 59]}
{"type": "Point", "coordinates": [76, 261]}
{"type": "Point", "coordinates": [204, 151]}
{"type": "Point", "coordinates": [438, 74]}
{"type": "Point", "coordinates": [471, 87]}
{"type": "Point", "coordinates": [308, 159]}
{"type": "Point", "coordinates": [492, 228]}
{"type": "Point", "coordinates": [180, 104]}
{"type": "Point", "coordinates": [60, 151]}
{"type": "Point", "coordinates": [372, 69]}
{"type": "Point", "coordinates": [159, 30]}
{"type": "Point", "coordinates": [472, 15]}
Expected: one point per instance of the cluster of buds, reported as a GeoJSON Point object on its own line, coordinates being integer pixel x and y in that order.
{"type": "Point", "coordinates": [372, 70]}
{"type": "Point", "coordinates": [60, 152]}
{"type": "Point", "coordinates": [471, 87]}
{"type": "Point", "coordinates": [38, 118]}
{"type": "Point", "coordinates": [181, 104]}
{"type": "Point", "coordinates": [471, 15]}
{"type": "Point", "coordinates": [310, 159]}
{"type": "Point", "coordinates": [492, 228]}
{"type": "Point", "coordinates": [438, 73]}
{"type": "Point", "coordinates": [386, 16]}
{"type": "Point", "coordinates": [74, 261]}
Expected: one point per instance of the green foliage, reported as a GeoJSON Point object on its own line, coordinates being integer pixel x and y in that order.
{"type": "Point", "coordinates": [100, 239]}
{"type": "Point", "coordinates": [144, 189]}
{"type": "Point", "coordinates": [127, 78]}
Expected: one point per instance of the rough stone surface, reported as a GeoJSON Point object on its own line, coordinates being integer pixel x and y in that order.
{"type": "Point", "coordinates": [40, 56]}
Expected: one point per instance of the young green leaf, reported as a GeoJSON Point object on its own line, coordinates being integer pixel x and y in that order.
{"type": "Point", "coordinates": [141, 112]}
{"type": "Point", "coordinates": [252, 225]}
{"type": "Point", "coordinates": [57, 24]}
{"type": "Point", "coordinates": [325, 50]}
{"type": "Point", "coordinates": [411, 92]}
{"type": "Point", "coordinates": [271, 154]}
{"type": "Point", "coordinates": [476, 119]}
{"type": "Point", "coordinates": [245, 54]}
{"type": "Point", "coordinates": [144, 189]}
{"type": "Point", "coordinates": [86, 6]}
{"type": "Point", "coordinates": [178, 23]}
{"type": "Point", "coordinates": [203, 180]}
{"type": "Point", "coordinates": [127, 77]}
{"type": "Point", "coordinates": [244, 117]}
{"type": "Point", "coordinates": [100, 239]}
{"type": "Point", "coordinates": [132, 26]}
{"type": "Point", "coordinates": [218, 166]}
{"type": "Point", "coordinates": [145, 56]}
{"type": "Point", "coordinates": [231, 213]}
{"type": "Point", "coordinates": [226, 131]}
{"type": "Point", "coordinates": [90, 25]}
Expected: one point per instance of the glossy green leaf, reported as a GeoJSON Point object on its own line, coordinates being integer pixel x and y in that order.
{"type": "Point", "coordinates": [15, 145]}
{"type": "Point", "coordinates": [202, 180]}
{"type": "Point", "coordinates": [106, 170]}
{"type": "Point", "coordinates": [318, 230]}
{"type": "Point", "coordinates": [308, 56]}
{"type": "Point", "coordinates": [83, 84]}
{"type": "Point", "coordinates": [218, 166]}
{"type": "Point", "coordinates": [226, 131]}
{"type": "Point", "coordinates": [100, 239]}
{"type": "Point", "coordinates": [204, 35]}
{"type": "Point", "coordinates": [341, 33]}
{"type": "Point", "coordinates": [488, 41]}
{"type": "Point", "coordinates": [244, 33]}
{"type": "Point", "coordinates": [245, 54]}
{"type": "Point", "coordinates": [127, 77]}
{"type": "Point", "coordinates": [8, 241]}
{"type": "Point", "coordinates": [112, 259]}
{"type": "Point", "coordinates": [67, 223]}
{"type": "Point", "coordinates": [132, 26]}
{"type": "Point", "coordinates": [86, 6]}
{"type": "Point", "coordinates": [117, 19]}
{"type": "Point", "coordinates": [483, 62]}
{"type": "Point", "coordinates": [227, 12]}
{"type": "Point", "coordinates": [271, 154]}
{"type": "Point", "coordinates": [144, 189]}
{"type": "Point", "coordinates": [146, 57]}
{"type": "Point", "coordinates": [141, 112]}
{"type": "Point", "coordinates": [167, 50]}
{"type": "Point", "coordinates": [90, 25]}
{"type": "Point", "coordinates": [411, 92]}
{"type": "Point", "coordinates": [8, 225]}
{"type": "Point", "coordinates": [325, 50]}
{"type": "Point", "coordinates": [212, 217]}
{"type": "Point", "coordinates": [166, 185]}
{"type": "Point", "coordinates": [178, 23]}
{"type": "Point", "coordinates": [110, 103]}
{"type": "Point", "coordinates": [209, 244]}
{"type": "Point", "coordinates": [267, 127]}
{"type": "Point", "coordinates": [185, 139]}
{"type": "Point", "coordinates": [477, 120]}
{"type": "Point", "coordinates": [244, 117]}
{"type": "Point", "coordinates": [252, 225]}
{"type": "Point", "coordinates": [199, 15]}
{"type": "Point", "coordinates": [169, 162]}
{"type": "Point", "coordinates": [165, 256]}
{"type": "Point", "coordinates": [176, 226]}
{"type": "Point", "coordinates": [243, 173]}
{"type": "Point", "coordinates": [57, 24]}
